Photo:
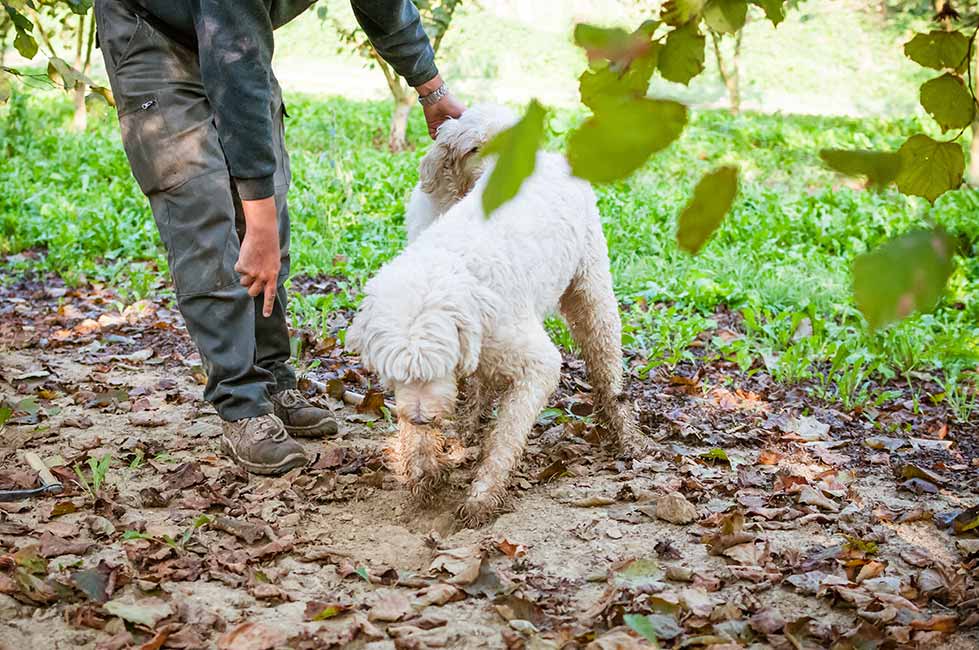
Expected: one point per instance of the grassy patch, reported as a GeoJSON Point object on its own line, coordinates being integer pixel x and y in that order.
{"type": "Point", "coordinates": [780, 261]}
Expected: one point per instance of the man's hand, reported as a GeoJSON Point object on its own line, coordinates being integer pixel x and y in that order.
{"type": "Point", "coordinates": [446, 108]}
{"type": "Point", "coordinates": [258, 260]}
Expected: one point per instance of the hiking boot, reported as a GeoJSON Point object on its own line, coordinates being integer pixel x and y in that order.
{"type": "Point", "coordinates": [301, 418]}
{"type": "Point", "coordinates": [261, 445]}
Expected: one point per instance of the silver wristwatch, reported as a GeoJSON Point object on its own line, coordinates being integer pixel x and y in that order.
{"type": "Point", "coordinates": [434, 96]}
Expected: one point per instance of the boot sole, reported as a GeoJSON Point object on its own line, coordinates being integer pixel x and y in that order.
{"type": "Point", "coordinates": [290, 462]}
{"type": "Point", "coordinates": [322, 429]}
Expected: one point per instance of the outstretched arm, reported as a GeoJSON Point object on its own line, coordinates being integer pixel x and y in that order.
{"type": "Point", "coordinates": [396, 32]}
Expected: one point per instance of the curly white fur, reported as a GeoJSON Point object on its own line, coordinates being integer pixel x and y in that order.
{"type": "Point", "coordinates": [467, 298]}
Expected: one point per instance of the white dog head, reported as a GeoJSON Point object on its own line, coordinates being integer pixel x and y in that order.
{"type": "Point", "coordinates": [419, 334]}
{"type": "Point", "coordinates": [452, 165]}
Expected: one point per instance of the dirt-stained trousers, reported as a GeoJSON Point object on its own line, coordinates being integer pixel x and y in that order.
{"type": "Point", "coordinates": [170, 138]}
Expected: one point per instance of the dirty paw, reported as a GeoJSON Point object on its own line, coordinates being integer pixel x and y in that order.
{"type": "Point", "coordinates": [476, 514]}
{"type": "Point", "coordinates": [637, 447]}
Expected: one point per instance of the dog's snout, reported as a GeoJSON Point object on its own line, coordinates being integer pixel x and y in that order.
{"type": "Point", "coordinates": [419, 420]}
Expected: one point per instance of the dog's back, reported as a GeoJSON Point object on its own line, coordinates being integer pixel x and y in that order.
{"type": "Point", "coordinates": [531, 246]}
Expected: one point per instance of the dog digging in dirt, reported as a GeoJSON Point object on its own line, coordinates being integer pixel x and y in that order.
{"type": "Point", "coordinates": [454, 324]}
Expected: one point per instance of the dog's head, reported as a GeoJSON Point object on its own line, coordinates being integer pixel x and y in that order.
{"type": "Point", "coordinates": [453, 164]}
{"type": "Point", "coordinates": [419, 335]}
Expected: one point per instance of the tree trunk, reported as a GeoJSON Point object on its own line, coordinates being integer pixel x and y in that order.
{"type": "Point", "coordinates": [972, 177]}
{"type": "Point", "coordinates": [734, 85]}
{"type": "Point", "coordinates": [4, 33]}
{"type": "Point", "coordinates": [403, 101]}
{"type": "Point", "coordinates": [731, 78]}
{"type": "Point", "coordinates": [397, 140]}
{"type": "Point", "coordinates": [80, 120]}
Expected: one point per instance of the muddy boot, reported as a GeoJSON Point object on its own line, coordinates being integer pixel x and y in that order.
{"type": "Point", "coordinates": [302, 419]}
{"type": "Point", "coordinates": [261, 445]}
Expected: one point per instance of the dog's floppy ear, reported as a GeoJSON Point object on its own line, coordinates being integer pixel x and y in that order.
{"type": "Point", "coordinates": [475, 303]}
{"type": "Point", "coordinates": [470, 342]}
{"type": "Point", "coordinates": [435, 164]}
{"type": "Point", "coordinates": [432, 167]}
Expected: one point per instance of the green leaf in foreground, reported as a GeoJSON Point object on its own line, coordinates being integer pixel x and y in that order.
{"type": "Point", "coordinates": [947, 100]}
{"type": "Point", "coordinates": [680, 12]}
{"type": "Point", "coordinates": [929, 168]}
{"type": "Point", "coordinates": [880, 167]}
{"type": "Point", "coordinates": [712, 198]}
{"type": "Point", "coordinates": [516, 151]}
{"type": "Point", "coordinates": [604, 83]}
{"type": "Point", "coordinates": [725, 16]}
{"type": "Point", "coordinates": [5, 413]}
{"type": "Point", "coordinates": [904, 275]}
{"type": "Point", "coordinates": [682, 57]}
{"type": "Point", "coordinates": [620, 137]}
{"type": "Point", "coordinates": [25, 44]}
{"type": "Point", "coordinates": [774, 9]}
{"type": "Point", "coordinates": [602, 42]}
{"type": "Point", "coordinates": [939, 50]}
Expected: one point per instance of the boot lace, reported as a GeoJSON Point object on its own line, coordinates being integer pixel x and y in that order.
{"type": "Point", "coordinates": [291, 398]}
{"type": "Point", "coordinates": [270, 427]}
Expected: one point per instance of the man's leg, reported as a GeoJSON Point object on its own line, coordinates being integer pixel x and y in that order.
{"type": "Point", "coordinates": [273, 348]}
{"type": "Point", "coordinates": [173, 148]}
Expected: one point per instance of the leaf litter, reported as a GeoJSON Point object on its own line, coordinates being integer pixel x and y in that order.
{"type": "Point", "coordinates": [747, 528]}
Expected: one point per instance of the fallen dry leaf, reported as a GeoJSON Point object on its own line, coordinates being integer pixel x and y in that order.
{"type": "Point", "coordinates": [462, 564]}
{"type": "Point", "coordinates": [147, 611]}
{"type": "Point", "coordinates": [389, 605]}
{"type": "Point", "coordinates": [814, 497]}
{"type": "Point", "coordinates": [148, 419]}
{"type": "Point", "coordinates": [438, 594]}
{"type": "Point", "coordinates": [675, 509]}
{"type": "Point", "coordinates": [252, 636]}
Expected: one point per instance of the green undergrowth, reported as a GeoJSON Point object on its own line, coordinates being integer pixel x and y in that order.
{"type": "Point", "coordinates": [780, 262]}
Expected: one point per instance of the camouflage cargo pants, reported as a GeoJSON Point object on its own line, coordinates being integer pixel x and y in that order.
{"type": "Point", "coordinates": [171, 141]}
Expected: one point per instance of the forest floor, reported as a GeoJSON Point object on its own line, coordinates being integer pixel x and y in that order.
{"type": "Point", "coordinates": [763, 520]}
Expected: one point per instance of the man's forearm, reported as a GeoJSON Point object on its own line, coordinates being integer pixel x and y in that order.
{"type": "Point", "coordinates": [429, 86]}
{"type": "Point", "coordinates": [260, 216]}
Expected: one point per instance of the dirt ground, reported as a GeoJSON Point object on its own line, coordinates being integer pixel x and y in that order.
{"type": "Point", "coordinates": [762, 520]}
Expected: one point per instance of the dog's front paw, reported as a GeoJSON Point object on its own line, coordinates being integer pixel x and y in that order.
{"type": "Point", "coordinates": [475, 514]}
{"type": "Point", "coordinates": [481, 505]}
{"type": "Point", "coordinates": [423, 490]}
{"type": "Point", "coordinates": [637, 446]}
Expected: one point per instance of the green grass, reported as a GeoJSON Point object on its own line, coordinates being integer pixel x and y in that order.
{"type": "Point", "coordinates": [782, 257]}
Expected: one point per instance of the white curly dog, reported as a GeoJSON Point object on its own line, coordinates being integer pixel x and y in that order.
{"type": "Point", "coordinates": [458, 316]}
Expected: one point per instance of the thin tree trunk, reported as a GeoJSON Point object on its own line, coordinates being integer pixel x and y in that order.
{"type": "Point", "coordinates": [43, 33]}
{"type": "Point", "coordinates": [729, 77]}
{"type": "Point", "coordinates": [734, 87]}
{"type": "Point", "coordinates": [80, 120]}
{"type": "Point", "coordinates": [972, 177]}
{"type": "Point", "coordinates": [403, 101]}
{"type": "Point", "coordinates": [397, 140]}
{"type": "Point", "coordinates": [90, 46]}
{"type": "Point", "coordinates": [4, 33]}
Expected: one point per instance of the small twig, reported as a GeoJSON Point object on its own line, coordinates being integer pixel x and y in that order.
{"type": "Point", "coordinates": [349, 397]}
{"type": "Point", "coordinates": [44, 34]}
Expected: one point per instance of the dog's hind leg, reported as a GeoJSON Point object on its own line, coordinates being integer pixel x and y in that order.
{"type": "Point", "coordinates": [592, 313]}
{"type": "Point", "coordinates": [534, 368]}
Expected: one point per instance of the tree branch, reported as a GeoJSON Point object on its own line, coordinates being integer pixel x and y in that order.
{"type": "Point", "coordinates": [44, 34]}
{"type": "Point", "coordinates": [91, 45]}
